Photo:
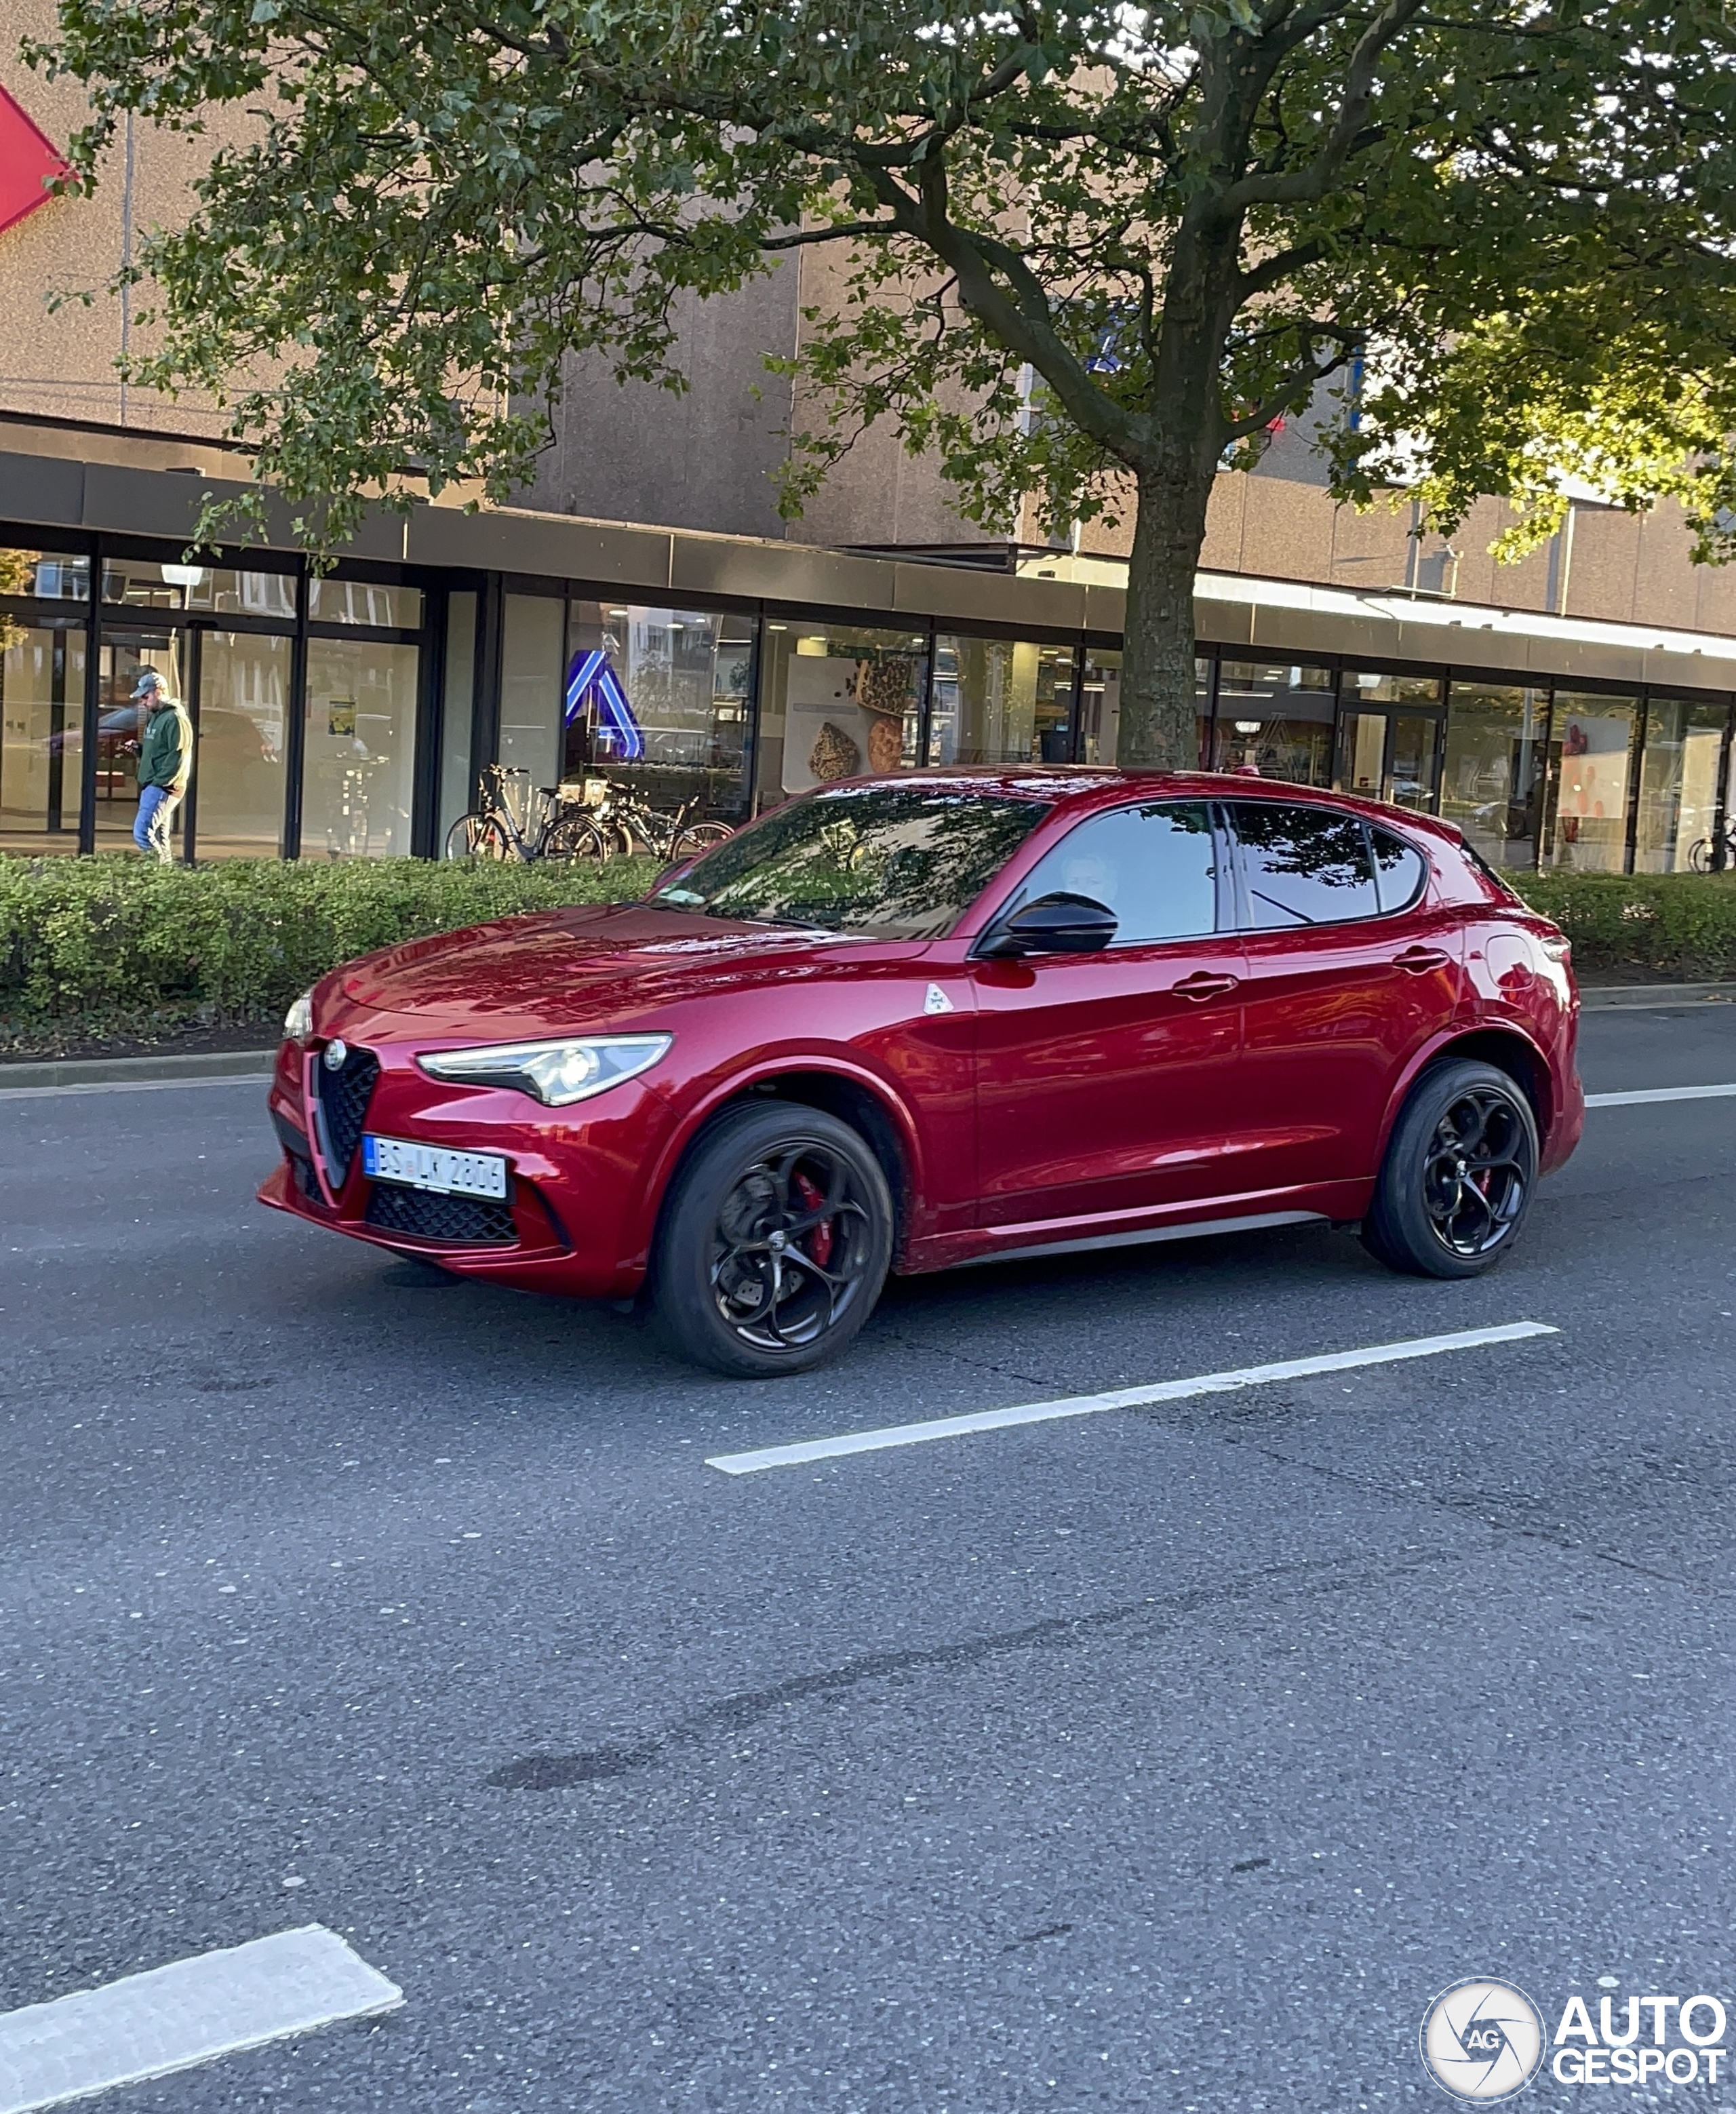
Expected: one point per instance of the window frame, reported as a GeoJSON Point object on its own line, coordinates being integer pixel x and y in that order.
{"type": "Point", "coordinates": [1246, 926]}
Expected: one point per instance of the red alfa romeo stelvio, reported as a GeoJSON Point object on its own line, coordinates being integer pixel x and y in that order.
{"type": "Point", "coordinates": [907, 1023]}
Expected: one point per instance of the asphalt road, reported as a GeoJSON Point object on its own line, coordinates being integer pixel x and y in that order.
{"type": "Point", "coordinates": [1162, 1759]}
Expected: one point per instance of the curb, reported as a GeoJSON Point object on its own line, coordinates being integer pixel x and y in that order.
{"type": "Point", "coordinates": [1609, 997]}
{"type": "Point", "coordinates": [69, 1074]}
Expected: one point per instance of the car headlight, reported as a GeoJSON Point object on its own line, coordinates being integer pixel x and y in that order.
{"type": "Point", "coordinates": [298, 1023]}
{"type": "Point", "coordinates": [556, 1073]}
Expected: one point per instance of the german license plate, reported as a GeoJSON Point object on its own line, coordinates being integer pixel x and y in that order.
{"type": "Point", "coordinates": [435, 1167]}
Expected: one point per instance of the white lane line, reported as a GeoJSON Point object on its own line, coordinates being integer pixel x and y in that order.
{"type": "Point", "coordinates": [1660, 1094]}
{"type": "Point", "coordinates": [1091, 1405]}
{"type": "Point", "coordinates": [170, 2018]}
{"type": "Point", "coordinates": [136, 1085]}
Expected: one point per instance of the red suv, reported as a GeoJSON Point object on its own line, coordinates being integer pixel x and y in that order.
{"type": "Point", "coordinates": [906, 1023]}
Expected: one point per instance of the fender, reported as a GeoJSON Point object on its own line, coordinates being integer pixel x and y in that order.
{"type": "Point", "coordinates": [765, 1068]}
{"type": "Point", "coordinates": [1444, 1040]}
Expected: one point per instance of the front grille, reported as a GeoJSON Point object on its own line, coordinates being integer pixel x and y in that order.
{"type": "Point", "coordinates": [343, 1095]}
{"type": "Point", "coordinates": [470, 1222]}
{"type": "Point", "coordinates": [300, 1159]}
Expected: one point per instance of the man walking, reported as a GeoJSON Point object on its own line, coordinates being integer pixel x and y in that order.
{"type": "Point", "coordinates": [165, 764]}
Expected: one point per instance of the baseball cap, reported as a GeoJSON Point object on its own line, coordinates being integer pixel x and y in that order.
{"type": "Point", "coordinates": [148, 679]}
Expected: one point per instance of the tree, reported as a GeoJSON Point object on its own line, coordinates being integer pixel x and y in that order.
{"type": "Point", "coordinates": [1096, 250]}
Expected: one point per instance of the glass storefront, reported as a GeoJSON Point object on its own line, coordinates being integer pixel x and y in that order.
{"type": "Point", "coordinates": [1678, 782]}
{"type": "Point", "coordinates": [1389, 737]}
{"type": "Point", "coordinates": [238, 780]}
{"type": "Point", "coordinates": [197, 590]}
{"type": "Point", "coordinates": [1276, 720]}
{"type": "Point", "coordinates": [838, 701]}
{"type": "Point", "coordinates": [532, 656]}
{"type": "Point", "coordinates": [457, 708]}
{"type": "Point", "coordinates": [1100, 705]}
{"type": "Point", "coordinates": [659, 700]}
{"type": "Point", "coordinates": [42, 736]}
{"type": "Point", "coordinates": [1492, 778]}
{"type": "Point", "coordinates": [1001, 701]}
{"type": "Point", "coordinates": [1591, 750]}
{"type": "Point", "coordinates": [124, 654]}
{"type": "Point", "coordinates": [359, 750]}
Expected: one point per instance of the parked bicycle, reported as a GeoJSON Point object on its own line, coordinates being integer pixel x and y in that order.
{"type": "Point", "coordinates": [556, 828]}
{"type": "Point", "coordinates": [1709, 855]}
{"type": "Point", "coordinates": [629, 822]}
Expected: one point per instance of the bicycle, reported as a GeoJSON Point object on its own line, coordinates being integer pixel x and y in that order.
{"type": "Point", "coordinates": [626, 821]}
{"type": "Point", "coordinates": [491, 830]}
{"type": "Point", "coordinates": [1700, 859]}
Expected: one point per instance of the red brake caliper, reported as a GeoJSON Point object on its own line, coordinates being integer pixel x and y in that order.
{"type": "Point", "coordinates": [819, 1239]}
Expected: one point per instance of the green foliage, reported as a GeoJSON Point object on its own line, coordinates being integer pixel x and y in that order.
{"type": "Point", "coordinates": [1671, 925]}
{"type": "Point", "coordinates": [123, 947]}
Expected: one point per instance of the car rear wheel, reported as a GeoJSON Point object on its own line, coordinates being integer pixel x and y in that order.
{"type": "Point", "coordinates": [1459, 1174]}
{"type": "Point", "coordinates": [774, 1243]}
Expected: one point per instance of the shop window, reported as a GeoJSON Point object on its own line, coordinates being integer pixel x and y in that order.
{"type": "Point", "coordinates": [358, 765]}
{"type": "Point", "coordinates": [1387, 729]}
{"type": "Point", "coordinates": [204, 590]}
{"type": "Point", "coordinates": [1100, 707]}
{"type": "Point", "coordinates": [238, 779]}
{"type": "Point", "coordinates": [42, 727]}
{"type": "Point", "coordinates": [123, 655]}
{"type": "Point", "coordinates": [1590, 747]}
{"type": "Point", "coordinates": [45, 575]}
{"type": "Point", "coordinates": [533, 634]}
{"type": "Point", "coordinates": [1274, 721]}
{"type": "Point", "coordinates": [839, 701]}
{"type": "Point", "coordinates": [1000, 700]}
{"type": "Point", "coordinates": [333, 600]}
{"type": "Point", "coordinates": [458, 695]}
{"type": "Point", "coordinates": [1678, 782]}
{"type": "Point", "coordinates": [1491, 782]}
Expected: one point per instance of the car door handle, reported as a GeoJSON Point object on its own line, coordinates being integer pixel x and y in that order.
{"type": "Point", "coordinates": [1202, 985]}
{"type": "Point", "coordinates": [1420, 960]}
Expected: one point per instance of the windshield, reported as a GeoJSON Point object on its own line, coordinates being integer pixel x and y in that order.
{"type": "Point", "coordinates": [900, 861]}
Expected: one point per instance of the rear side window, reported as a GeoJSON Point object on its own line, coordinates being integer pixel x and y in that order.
{"type": "Point", "coordinates": [1399, 871]}
{"type": "Point", "coordinates": [1155, 866]}
{"type": "Point", "coordinates": [1304, 866]}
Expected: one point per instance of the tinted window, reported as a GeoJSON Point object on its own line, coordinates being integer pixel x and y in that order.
{"type": "Point", "coordinates": [1304, 866]}
{"type": "Point", "coordinates": [1154, 866]}
{"type": "Point", "coordinates": [904, 860]}
{"type": "Point", "coordinates": [1399, 871]}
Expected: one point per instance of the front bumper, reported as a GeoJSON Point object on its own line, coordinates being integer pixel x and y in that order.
{"type": "Point", "coordinates": [574, 1220]}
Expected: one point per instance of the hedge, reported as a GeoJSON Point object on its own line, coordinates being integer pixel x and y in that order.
{"type": "Point", "coordinates": [117, 948]}
{"type": "Point", "coordinates": [1639, 926]}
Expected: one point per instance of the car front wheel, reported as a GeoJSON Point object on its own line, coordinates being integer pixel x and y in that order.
{"type": "Point", "coordinates": [1459, 1174]}
{"type": "Point", "coordinates": [774, 1242]}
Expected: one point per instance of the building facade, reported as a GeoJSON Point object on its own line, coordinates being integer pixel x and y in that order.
{"type": "Point", "coordinates": [646, 615]}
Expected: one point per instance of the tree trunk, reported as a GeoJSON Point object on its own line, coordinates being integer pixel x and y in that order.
{"type": "Point", "coordinates": [1158, 715]}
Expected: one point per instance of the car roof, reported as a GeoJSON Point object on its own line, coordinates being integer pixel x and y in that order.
{"type": "Point", "coordinates": [1078, 788]}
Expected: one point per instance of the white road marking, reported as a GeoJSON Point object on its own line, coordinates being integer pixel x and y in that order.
{"type": "Point", "coordinates": [1091, 1405]}
{"type": "Point", "coordinates": [255, 1079]}
{"type": "Point", "coordinates": [172, 2018]}
{"type": "Point", "coordinates": [1660, 1094]}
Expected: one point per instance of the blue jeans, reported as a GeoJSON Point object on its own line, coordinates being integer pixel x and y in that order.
{"type": "Point", "coordinates": [157, 808]}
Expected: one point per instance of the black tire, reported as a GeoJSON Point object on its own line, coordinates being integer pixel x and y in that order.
{"type": "Point", "coordinates": [1700, 855]}
{"type": "Point", "coordinates": [574, 837]}
{"type": "Point", "coordinates": [699, 837]}
{"type": "Point", "coordinates": [1460, 1173]}
{"type": "Point", "coordinates": [478, 837]}
{"type": "Point", "coordinates": [722, 1293]}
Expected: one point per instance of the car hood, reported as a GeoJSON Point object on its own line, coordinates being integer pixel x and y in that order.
{"type": "Point", "coordinates": [555, 971]}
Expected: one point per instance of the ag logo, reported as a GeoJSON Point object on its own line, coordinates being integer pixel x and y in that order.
{"type": "Point", "coordinates": [1482, 2041]}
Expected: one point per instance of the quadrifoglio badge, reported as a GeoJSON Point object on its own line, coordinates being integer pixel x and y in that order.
{"type": "Point", "coordinates": [1484, 2040]}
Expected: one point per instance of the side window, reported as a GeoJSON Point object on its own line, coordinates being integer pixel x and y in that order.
{"type": "Point", "coordinates": [1154, 866]}
{"type": "Point", "coordinates": [1399, 871]}
{"type": "Point", "coordinates": [1304, 866]}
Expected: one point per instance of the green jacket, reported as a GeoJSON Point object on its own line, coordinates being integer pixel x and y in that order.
{"type": "Point", "coordinates": [166, 750]}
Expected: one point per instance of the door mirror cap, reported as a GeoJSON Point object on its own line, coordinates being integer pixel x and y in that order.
{"type": "Point", "coordinates": [1052, 925]}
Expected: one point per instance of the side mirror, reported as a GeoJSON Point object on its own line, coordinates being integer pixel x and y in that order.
{"type": "Point", "coordinates": [1052, 925]}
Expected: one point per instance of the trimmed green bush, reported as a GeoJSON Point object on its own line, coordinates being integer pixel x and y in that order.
{"type": "Point", "coordinates": [1678, 925]}
{"type": "Point", "coordinates": [118, 947]}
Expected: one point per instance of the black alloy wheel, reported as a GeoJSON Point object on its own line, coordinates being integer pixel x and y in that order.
{"type": "Point", "coordinates": [1459, 1174]}
{"type": "Point", "coordinates": [774, 1242]}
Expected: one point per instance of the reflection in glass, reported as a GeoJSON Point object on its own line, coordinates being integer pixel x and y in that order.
{"type": "Point", "coordinates": [146, 583]}
{"type": "Point", "coordinates": [658, 700]}
{"type": "Point", "coordinates": [1100, 707]}
{"type": "Point", "coordinates": [457, 780]}
{"type": "Point", "coordinates": [1492, 778]}
{"type": "Point", "coordinates": [1154, 866]}
{"type": "Point", "coordinates": [1591, 744]}
{"type": "Point", "coordinates": [838, 701]}
{"type": "Point", "coordinates": [891, 861]}
{"type": "Point", "coordinates": [1304, 866]}
{"type": "Point", "coordinates": [360, 749]}
{"type": "Point", "coordinates": [331, 600]}
{"type": "Point", "coordinates": [1678, 783]}
{"type": "Point", "coordinates": [1274, 721]}
{"type": "Point", "coordinates": [244, 688]}
{"type": "Point", "coordinates": [1001, 701]}
{"type": "Point", "coordinates": [42, 721]}
{"type": "Point", "coordinates": [47, 575]}
{"type": "Point", "coordinates": [533, 635]}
